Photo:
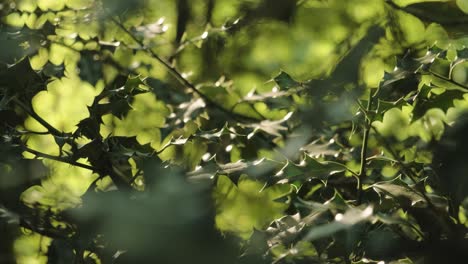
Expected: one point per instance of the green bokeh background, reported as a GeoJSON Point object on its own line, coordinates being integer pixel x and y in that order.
{"type": "Point", "coordinates": [307, 45]}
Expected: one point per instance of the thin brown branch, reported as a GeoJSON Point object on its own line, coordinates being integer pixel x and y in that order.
{"type": "Point", "coordinates": [25, 132]}
{"type": "Point", "coordinates": [57, 158]}
{"type": "Point", "coordinates": [39, 119]}
{"type": "Point", "coordinates": [365, 140]}
{"type": "Point", "coordinates": [449, 80]}
{"type": "Point", "coordinates": [52, 233]}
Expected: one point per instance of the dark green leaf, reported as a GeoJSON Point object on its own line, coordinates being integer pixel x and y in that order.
{"type": "Point", "coordinates": [285, 81]}
{"type": "Point", "coordinates": [90, 67]}
{"type": "Point", "coordinates": [427, 100]}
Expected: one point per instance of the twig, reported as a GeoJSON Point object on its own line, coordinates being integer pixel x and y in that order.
{"type": "Point", "coordinates": [449, 80]}
{"type": "Point", "coordinates": [365, 141]}
{"type": "Point", "coordinates": [138, 173]}
{"type": "Point", "coordinates": [25, 132]}
{"type": "Point", "coordinates": [39, 119]}
{"type": "Point", "coordinates": [52, 233]}
{"type": "Point", "coordinates": [57, 158]}
{"type": "Point", "coordinates": [346, 168]}
{"type": "Point", "coordinates": [393, 5]}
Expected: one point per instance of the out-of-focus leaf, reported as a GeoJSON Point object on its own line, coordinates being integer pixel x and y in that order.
{"type": "Point", "coordinates": [53, 70]}
{"type": "Point", "coordinates": [16, 176]}
{"type": "Point", "coordinates": [449, 162]}
{"type": "Point", "coordinates": [121, 7]}
{"type": "Point", "coordinates": [195, 157]}
{"type": "Point", "coordinates": [151, 30]}
{"type": "Point", "coordinates": [164, 92]}
{"type": "Point", "coordinates": [13, 40]}
{"type": "Point", "coordinates": [347, 69]}
{"type": "Point", "coordinates": [9, 216]}
{"type": "Point", "coordinates": [184, 222]}
{"type": "Point", "coordinates": [463, 5]}
{"type": "Point", "coordinates": [90, 67]}
{"type": "Point", "coordinates": [249, 202]}
{"type": "Point", "coordinates": [436, 12]}
{"type": "Point", "coordinates": [60, 251]}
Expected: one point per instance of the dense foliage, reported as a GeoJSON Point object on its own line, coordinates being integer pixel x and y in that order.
{"type": "Point", "coordinates": [217, 131]}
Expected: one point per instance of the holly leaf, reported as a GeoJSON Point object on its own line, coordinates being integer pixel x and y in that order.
{"type": "Point", "coordinates": [120, 98]}
{"type": "Point", "coordinates": [275, 99]}
{"type": "Point", "coordinates": [344, 221]}
{"type": "Point", "coordinates": [128, 146]}
{"type": "Point", "coordinates": [89, 127]}
{"type": "Point", "coordinates": [383, 106]}
{"type": "Point", "coordinates": [215, 134]}
{"type": "Point", "coordinates": [316, 149]}
{"type": "Point", "coordinates": [399, 190]}
{"type": "Point", "coordinates": [22, 80]}
{"type": "Point", "coordinates": [427, 100]}
{"type": "Point", "coordinates": [270, 127]}
{"type": "Point", "coordinates": [314, 168]}
{"type": "Point", "coordinates": [285, 81]}
{"type": "Point", "coordinates": [398, 84]}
